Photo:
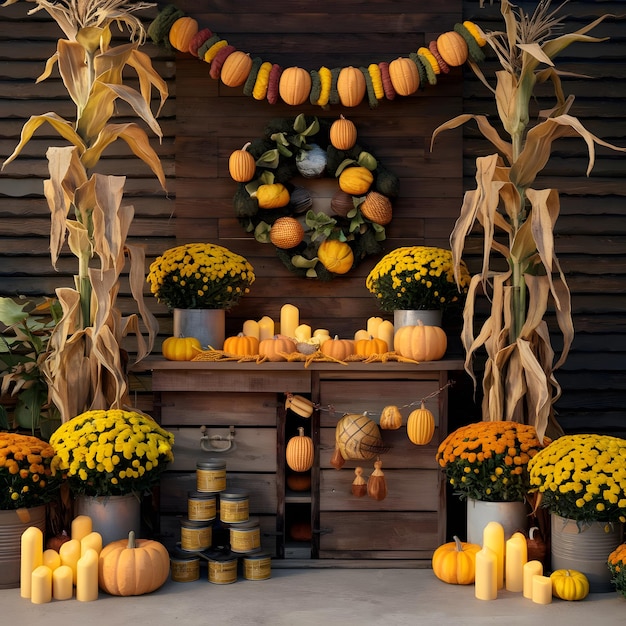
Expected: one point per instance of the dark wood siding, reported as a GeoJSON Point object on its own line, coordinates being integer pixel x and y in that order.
{"type": "Point", "coordinates": [204, 121]}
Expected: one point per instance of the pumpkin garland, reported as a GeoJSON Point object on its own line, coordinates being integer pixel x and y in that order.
{"type": "Point", "coordinates": [321, 243]}
{"type": "Point", "coordinates": [348, 86]}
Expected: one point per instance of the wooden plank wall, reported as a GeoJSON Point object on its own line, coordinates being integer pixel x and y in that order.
{"type": "Point", "coordinates": [204, 121]}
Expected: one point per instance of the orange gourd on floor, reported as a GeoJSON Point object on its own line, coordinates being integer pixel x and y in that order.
{"type": "Point", "coordinates": [455, 562]}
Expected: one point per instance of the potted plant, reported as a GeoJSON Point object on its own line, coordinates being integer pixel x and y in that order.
{"type": "Point", "coordinates": [417, 278]}
{"type": "Point", "coordinates": [518, 221]}
{"type": "Point", "coordinates": [198, 282]}
{"type": "Point", "coordinates": [109, 459]}
{"type": "Point", "coordinates": [28, 481]}
{"type": "Point", "coordinates": [581, 481]}
{"type": "Point", "coordinates": [487, 464]}
{"type": "Point", "coordinates": [86, 367]}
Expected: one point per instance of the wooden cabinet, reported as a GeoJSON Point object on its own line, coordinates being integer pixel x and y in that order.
{"type": "Point", "coordinates": [236, 412]}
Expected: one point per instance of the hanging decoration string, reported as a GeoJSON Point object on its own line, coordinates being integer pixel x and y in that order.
{"type": "Point", "coordinates": [347, 85]}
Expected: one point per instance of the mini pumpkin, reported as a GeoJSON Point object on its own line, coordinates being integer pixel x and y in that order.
{"type": "Point", "coordinates": [272, 196]}
{"type": "Point", "coordinates": [420, 342]}
{"type": "Point", "coordinates": [300, 452]}
{"type": "Point", "coordinates": [236, 68]}
{"type": "Point", "coordinates": [356, 180]}
{"type": "Point", "coordinates": [420, 426]}
{"type": "Point", "coordinates": [336, 348]}
{"type": "Point", "coordinates": [452, 48]}
{"type": "Point", "coordinates": [183, 30]}
{"type": "Point", "coordinates": [569, 584]}
{"type": "Point", "coordinates": [275, 348]}
{"type": "Point", "coordinates": [343, 133]}
{"type": "Point", "coordinates": [391, 418]}
{"type": "Point", "coordinates": [371, 346]}
{"type": "Point", "coordinates": [404, 76]}
{"type": "Point", "coordinates": [241, 345]}
{"type": "Point", "coordinates": [241, 165]}
{"type": "Point", "coordinates": [132, 567]}
{"type": "Point", "coordinates": [351, 86]}
{"type": "Point", "coordinates": [455, 562]}
{"type": "Point", "coordinates": [294, 85]}
{"type": "Point", "coordinates": [336, 256]}
{"type": "Point", "coordinates": [180, 348]}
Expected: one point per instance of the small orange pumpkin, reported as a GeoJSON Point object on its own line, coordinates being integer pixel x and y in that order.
{"type": "Point", "coordinates": [420, 343]}
{"type": "Point", "coordinates": [452, 48]}
{"type": "Point", "coordinates": [236, 68]}
{"type": "Point", "coordinates": [241, 345]}
{"type": "Point", "coordinates": [183, 30]}
{"type": "Point", "coordinates": [300, 452]}
{"type": "Point", "coordinates": [241, 165]}
{"type": "Point", "coordinates": [351, 86]}
{"type": "Point", "coordinates": [274, 348]}
{"type": "Point", "coordinates": [356, 180]}
{"type": "Point", "coordinates": [272, 196]}
{"type": "Point", "coordinates": [371, 346]}
{"type": "Point", "coordinates": [336, 256]}
{"type": "Point", "coordinates": [343, 133]}
{"type": "Point", "coordinates": [337, 348]}
{"type": "Point", "coordinates": [455, 562]}
{"type": "Point", "coordinates": [391, 418]}
{"type": "Point", "coordinates": [404, 76]}
{"type": "Point", "coordinates": [420, 426]}
{"type": "Point", "coordinates": [294, 85]}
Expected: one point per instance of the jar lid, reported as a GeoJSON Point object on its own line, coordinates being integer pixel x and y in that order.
{"type": "Point", "coordinates": [234, 494]}
{"type": "Point", "coordinates": [201, 495]}
{"type": "Point", "coordinates": [184, 555]}
{"type": "Point", "coordinates": [197, 524]}
{"type": "Point", "coordinates": [257, 556]}
{"type": "Point", "coordinates": [211, 464]}
{"type": "Point", "coordinates": [220, 555]}
{"type": "Point", "coordinates": [251, 522]}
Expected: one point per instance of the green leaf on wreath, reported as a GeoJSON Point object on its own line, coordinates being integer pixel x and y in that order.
{"type": "Point", "coordinates": [342, 166]}
{"type": "Point", "coordinates": [269, 159]}
{"type": "Point", "coordinates": [262, 232]}
{"type": "Point", "coordinates": [367, 160]}
{"type": "Point", "coordinates": [299, 261]}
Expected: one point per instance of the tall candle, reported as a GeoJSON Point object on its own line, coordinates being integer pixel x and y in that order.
{"type": "Point", "coordinates": [81, 526]}
{"type": "Point", "coordinates": [62, 583]}
{"type": "Point", "coordinates": [266, 328]}
{"type": "Point", "coordinates": [385, 332]}
{"type": "Point", "coordinates": [31, 557]}
{"type": "Point", "coordinates": [87, 577]}
{"type": "Point", "coordinates": [302, 332]}
{"type": "Point", "coordinates": [542, 589]}
{"type": "Point", "coordinates": [486, 577]}
{"type": "Point", "coordinates": [51, 559]}
{"type": "Point", "coordinates": [372, 326]}
{"type": "Point", "coordinates": [516, 555]}
{"type": "Point", "coordinates": [70, 553]}
{"type": "Point", "coordinates": [92, 540]}
{"type": "Point", "coordinates": [493, 538]}
{"type": "Point", "coordinates": [41, 585]}
{"type": "Point", "coordinates": [531, 568]}
{"type": "Point", "coordinates": [251, 328]}
{"type": "Point", "coordinates": [289, 320]}
{"type": "Point", "coordinates": [361, 334]}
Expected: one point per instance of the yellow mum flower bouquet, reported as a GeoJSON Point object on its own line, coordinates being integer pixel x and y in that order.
{"type": "Point", "coordinates": [27, 475]}
{"type": "Point", "coordinates": [115, 452]}
{"type": "Point", "coordinates": [489, 460]}
{"type": "Point", "coordinates": [582, 477]}
{"type": "Point", "coordinates": [200, 276]}
{"type": "Point", "coordinates": [417, 278]}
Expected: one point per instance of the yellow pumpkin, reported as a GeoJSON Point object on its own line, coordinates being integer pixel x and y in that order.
{"type": "Point", "coordinates": [300, 452]}
{"type": "Point", "coordinates": [236, 68]}
{"type": "Point", "coordinates": [420, 426]}
{"type": "Point", "coordinates": [337, 348]}
{"type": "Point", "coordinates": [241, 165]}
{"type": "Point", "coordinates": [272, 196]}
{"type": "Point", "coordinates": [569, 584]}
{"type": "Point", "coordinates": [343, 133]}
{"type": "Point", "coordinates": [371, 346]}
{"type": "Point", "coordinates": [275, 348]}
{"type": "Point", "coordinates": [183, 30]}
{"type": "Point", "coordinates": [132, 567]}
{"type": "Point", "coordinates": [404, 76]}
{"type": "Point", "coordinates": [294, 85]}
{"type": "Point", "coordinates": [356, 180]}
{"type": "Point", "coordinates": [420, 343]}
{"type": "Point", "coordinates": [391, 418]}
{"type": "Point", "coordinates": [241, 345]}
{"type": "Point", "coordinates": [452, 48]}
{"type": "Point", "coordinates": [455, 562]}
{"type": "Point", "coordinates": [351, 86]}
{"type": "Point", "coordinates": [180, 348]}
{"type": "Point", "coordinates": [336, 256]}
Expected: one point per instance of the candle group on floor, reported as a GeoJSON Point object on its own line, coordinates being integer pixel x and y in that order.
{"type": "Point", "coordinates": [504, 564]}
{"type": "Point", "coordinates": [47, 574]}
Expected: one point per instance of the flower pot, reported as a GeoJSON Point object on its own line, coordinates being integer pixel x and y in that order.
{"type": "Point", "coordinates": [585, 546]}
{"type": "Point", "coordinates": [12, 525]}
{"type": "Point", "coordinates": [512, 515]}
{"type": "Point", "coordinates": [206, 325]}
{"type": "Point", "coordinates": [403, 317]}
{"type": "Point", "coordinates": [112, 516]}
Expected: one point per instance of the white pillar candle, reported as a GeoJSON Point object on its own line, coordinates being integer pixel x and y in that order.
{"type": "Point", "coordinates": [493, 538]}
{"type": "Point", "coordinates": [63, 583]}
{"type": "Point", "coordinates": [41, 585]}
{"type": "Point", "coordinates": [81, 526]}
{"type": "Point", "coordinates": [251, 329]}
{"type": "Point", "coordinates": [31, 557]}
{"type": "Point", "coordinates": [87, 577]}
{"type": "Point", "coordinates": [542, 589]}
{"type": "Point", "coordinates": [516, 555]}
{"type": "Point", "coordinates": [266, 328]}
{"type": "Point", "coordinates": [531, 568]}
{"type": "Point", "coordinates": [289, 320]}
{"type": "Point", "coordinates": [486, 577]}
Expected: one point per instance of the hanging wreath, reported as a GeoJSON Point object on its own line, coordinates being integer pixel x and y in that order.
{"type": "Point", "coordinates": [313, 244]}
{"type": "Point", "coordinates": [347, 86]}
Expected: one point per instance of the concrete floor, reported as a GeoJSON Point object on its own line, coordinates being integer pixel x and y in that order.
{"type": "Point", "coordinates": [320, 597]}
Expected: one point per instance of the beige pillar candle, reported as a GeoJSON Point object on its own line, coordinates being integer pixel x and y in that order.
{"type": "Point", "coordinates": [41, 585]}
{"type": "Point", "coordinates": [87, 577]}
{"type": "Point", "coordinates": [31, 557]}
{"type": "Point", "coordinates": [62, 583]}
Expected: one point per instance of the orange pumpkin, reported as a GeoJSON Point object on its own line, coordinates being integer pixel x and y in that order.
{"type": "Point", "coordinates": [420, 426]}
{"type": "Point", "coordinates": [236, 68]}
{"type": "Point", "coordinates": [351, 86]}
{"type": "Point", "coordinates": [183, 30]}
{"type": "Point", "coordinates": [420, 343]}
{"type": "Point", "coordinates": [336, 348]}
{"type": "Point", "coordinates": [343, 133]}
{"type": "Point", "coordinates": [371, 346]}
{"type": "Point", "coordinates": [336, 256]}
{"type": "Point", "coordinates": [300, 453]}
{"type": "Point", "coordinates": [356, 180]}
{"type": "Point", "coordinates": [404, 76]}
{"type": "Point", "coordinates": [241, 165]}
{"type": "Point", "coordinates": [390, 418]}
{"type": "Point", "coordinates": [455, 562]}
{"type": "Point", "coordinates": [275, 348]}
{"type": "Point", "coordinates": [272, 196]}
{"type": "Point", "coordinates": [452, 48]}
{"type": "Point", "coordinates": [294, 85]}
{"type": "Point", "coordinates": [241, 345]}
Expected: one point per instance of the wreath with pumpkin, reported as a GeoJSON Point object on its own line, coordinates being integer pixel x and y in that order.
{"type": "Point", "coordinates": [312, 243]}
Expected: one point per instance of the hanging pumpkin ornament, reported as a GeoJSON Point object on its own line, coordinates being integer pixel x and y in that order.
{"type": "Point", "coordinates": [420, 426]}
{"type": "Point", "coordinates": [300, 453]}
{"type": "Point", "coordinates": [391, 418]}
{"type": "Point", "coordinates": [376, 485]}
{"type": "Point", "coordinates": [358, 437]}
{"type": "Point", "coordinates": [337, 460]}
{"type": "Point", "coordinates": [359, 484]}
